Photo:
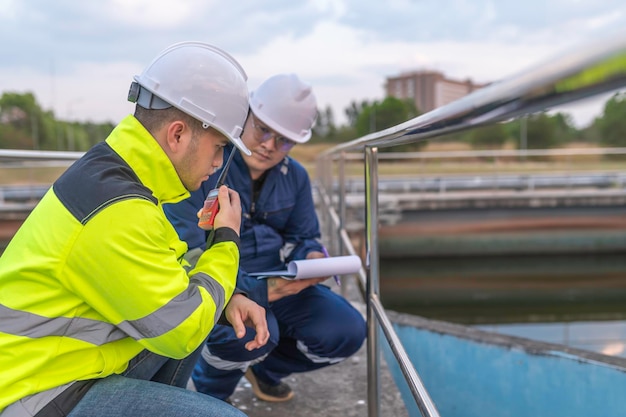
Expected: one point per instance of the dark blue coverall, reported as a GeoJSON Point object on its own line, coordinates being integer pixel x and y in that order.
{"type": "Point", "coordinates": [308, 330]}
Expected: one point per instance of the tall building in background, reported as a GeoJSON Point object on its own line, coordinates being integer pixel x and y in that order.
{"type": "Point", "coordinates": [428, 89]}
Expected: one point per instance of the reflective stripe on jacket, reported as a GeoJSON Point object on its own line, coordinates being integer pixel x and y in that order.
{"type": "Point", "coordinates": [96, 273]}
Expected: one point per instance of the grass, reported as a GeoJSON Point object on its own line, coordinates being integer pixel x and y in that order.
{"type": "Point", "coordinates": [306, 154]}
{"type": "Point", "coordinates": [29, 175]}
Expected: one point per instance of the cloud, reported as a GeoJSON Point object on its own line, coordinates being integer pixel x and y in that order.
{"type": "Point", "coordinates": [477, 20]}
{"type": "Point", "coordinates": [68, 31]}
{"type": "Point", "coordinates": [79, 57]}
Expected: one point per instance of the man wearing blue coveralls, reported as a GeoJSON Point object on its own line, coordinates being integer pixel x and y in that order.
{"type": "Point", "coordinates": [310, 326]}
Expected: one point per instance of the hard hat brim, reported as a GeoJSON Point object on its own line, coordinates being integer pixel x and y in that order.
{"type": "Point", "coordinates": [240, 145]}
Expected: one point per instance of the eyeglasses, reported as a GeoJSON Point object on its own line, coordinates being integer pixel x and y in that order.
{"type": "Point", "coordinates": [263, 133]}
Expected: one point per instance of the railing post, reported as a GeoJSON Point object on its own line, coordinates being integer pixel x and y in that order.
{"type": "Point", "coordinates": [342, 209]}
{"type": "Point", "coordinates": [326, 184]}
{"type": "Point", "coordinates": [372, 286]}
{"type": "Point", "coordinates": [328, 172]}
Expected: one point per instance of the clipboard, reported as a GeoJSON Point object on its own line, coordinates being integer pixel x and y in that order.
{"type": "Point", "coordinates": [315, 268]}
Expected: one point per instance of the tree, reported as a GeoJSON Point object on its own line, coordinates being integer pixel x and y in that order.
{"type": "Point", "coordinates": [24, 125]}
{"type": "Point", "coordinates": [12, 138]}
{"type": "Point", "coordinates": [354, 110]}
{"type": "Point", "coordinates": [390, 112]}
{"type": "Point", "coordinates": [566, 132]}
{"type": "Point", "coordinates": [612, 124]}
{"type": "Point", "coordinates": [22, 116]}
{"type": "Point", "coordinates": [324, 129]}
{"type": "Point", "coordinates": [379, 116]}
{"type": "Point", "coordinates": [544, 131]}
{"type": "Point", "coordinates": [541, 132]}
{"type": "Point", "coordinates": [488, 137]}
{"type": "Point", "coordinates": [23, 113]}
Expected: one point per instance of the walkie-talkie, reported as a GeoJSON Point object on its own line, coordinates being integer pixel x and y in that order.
{"type": "Point", "coordinates": [211, 204]}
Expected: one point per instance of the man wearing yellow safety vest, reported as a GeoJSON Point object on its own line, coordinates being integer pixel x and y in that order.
{"type": "Point", "coordinates": [100, 314]}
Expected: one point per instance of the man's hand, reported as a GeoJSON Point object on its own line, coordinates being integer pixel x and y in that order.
{"type": "Point", "coordinates": [229, 212]}
{"type": "Point", "coordinates": [241, 311]}
{"type": "Point", "coordinates": [315, 255]}
{"type": "Point", "coordinates": [278, 288]}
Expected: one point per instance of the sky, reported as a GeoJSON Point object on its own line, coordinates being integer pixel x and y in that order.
{"type": "Point", "coordinates": [78, 57]}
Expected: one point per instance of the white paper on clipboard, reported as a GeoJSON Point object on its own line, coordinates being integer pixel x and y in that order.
{"type": "Point", "coordinates": [315, 268]}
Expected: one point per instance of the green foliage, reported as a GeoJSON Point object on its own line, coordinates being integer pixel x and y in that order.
{"type": "Point", "coordinates": [18, 138]}
{"type": "Point", "coordinates": [566, 132]}
{"type": "Point", "coordinates": [612, 125]}
{"type": "Point", "coordinates": [324, 126]}
{"type": "Point", "coordinates": [543, 131]}
{"type": "Point", "coordinates": [379, 116]}
{"type": "Point", "coordinates": [388, 113]}
{"type": "Point", "coordinates": [24, 125]}
{"type": "Point", "coordinates": [96, 132]}
{"type": "Point", "coordinates": [488, 137]}
{"type": "Point", "coordinates": [354, 110]}
{"type": "Point", "coordinates": [589, 134]}
{"type": "Point", "coordinates": [327, 131]}
{"type": "Point", "coordinates": [345, 134]}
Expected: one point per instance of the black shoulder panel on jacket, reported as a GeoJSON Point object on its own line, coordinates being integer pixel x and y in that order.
{"type": "Point", "coordinates": [100, 178]}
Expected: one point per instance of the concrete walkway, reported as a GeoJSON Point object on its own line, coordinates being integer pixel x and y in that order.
{"type": "Point", "coordinates": [337, 390]}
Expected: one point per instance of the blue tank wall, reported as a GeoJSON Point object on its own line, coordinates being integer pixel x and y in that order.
{"type": "Point", "coordinates": [469, 378]}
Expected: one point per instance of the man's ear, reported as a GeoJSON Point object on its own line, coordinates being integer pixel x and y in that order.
{"type": "Point", "coordinates": [174, 135]}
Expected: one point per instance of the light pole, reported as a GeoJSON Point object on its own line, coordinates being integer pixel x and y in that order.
{"type": "Point", "coordinates": [523, 133]}
{"type": "Point", "coordinates": [70, 128]}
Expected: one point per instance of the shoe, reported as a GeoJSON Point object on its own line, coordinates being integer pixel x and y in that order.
{"type": "Point", "coordinates": [273, 393]}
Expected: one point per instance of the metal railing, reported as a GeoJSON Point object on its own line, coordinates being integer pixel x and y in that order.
{"type": "Point", "coordinates": [591, 69]}
{"type": "Point", "coordinates": [483, 169]}
{"type": "Point", "coordinates": [19, 155]}
{"type": "Point", "coordinates": [428, 181]}
{"type": "Point", "coordinates": [22, 183]}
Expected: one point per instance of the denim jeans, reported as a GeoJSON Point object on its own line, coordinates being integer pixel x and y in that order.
{"type": "Point", "coordinates": [152, 367]}
{"type": "Point", "coordinates": [118, 396]}
{"type": "Point", "coordinates": [152, 385]}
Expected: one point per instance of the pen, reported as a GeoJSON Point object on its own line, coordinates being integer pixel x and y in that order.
{"type": "Point", "coordinates": [325, 252]}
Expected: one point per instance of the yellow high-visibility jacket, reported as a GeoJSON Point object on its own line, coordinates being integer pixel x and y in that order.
{"type": "Point", "coordinates": [96, 273]}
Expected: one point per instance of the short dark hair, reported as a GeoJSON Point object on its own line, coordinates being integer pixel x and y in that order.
{"type": "Point", "coordinates": [153, 119]}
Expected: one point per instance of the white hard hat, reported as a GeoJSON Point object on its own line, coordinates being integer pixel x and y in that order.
{"type": "Point", "coordinates": [200, 80]}
{"type": "Point", "coordinates": [286, 105]}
